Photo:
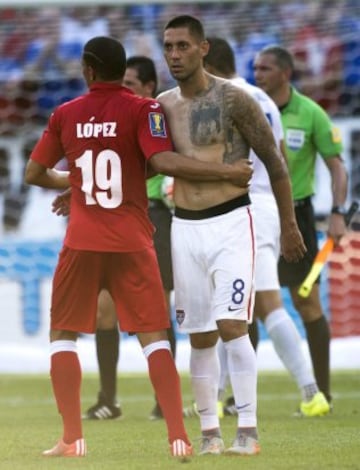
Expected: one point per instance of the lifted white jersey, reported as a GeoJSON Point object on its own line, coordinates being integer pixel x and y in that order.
{"type": "Point", "coordinates": [260, 182]}
{"type": "Point", "coordinates": [266, 215]}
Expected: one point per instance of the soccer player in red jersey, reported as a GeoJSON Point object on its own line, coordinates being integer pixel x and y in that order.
{"type": "Point", "coordinates": [108, 136]}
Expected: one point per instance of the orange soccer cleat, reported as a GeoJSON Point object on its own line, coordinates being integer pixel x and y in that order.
{"type": "Point", "coordinates": [61, 449]}
{"type": "Point", "coordinates": [180, 450]}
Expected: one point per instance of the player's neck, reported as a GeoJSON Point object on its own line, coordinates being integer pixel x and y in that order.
{"type": "Point", "coordinates": [282, 95]}
{"type": "Point", "coordinates": [194, 85]}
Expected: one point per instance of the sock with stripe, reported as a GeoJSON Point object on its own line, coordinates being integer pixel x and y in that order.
{"type": "Point", "coordinates": [166, 382]}
{"type": "Point", "coordinates": [66, 381]}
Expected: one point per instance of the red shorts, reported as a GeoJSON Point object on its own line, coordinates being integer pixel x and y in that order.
{"type": "Point", "coordinates": [133, 280]}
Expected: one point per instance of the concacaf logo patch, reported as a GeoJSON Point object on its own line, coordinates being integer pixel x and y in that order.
{"type": "Point", "coordinates": [157, 125]}
{"type": "Point", "coordinates": [180, 316]}
{"type": "Point", "coordinates": [336, 135]}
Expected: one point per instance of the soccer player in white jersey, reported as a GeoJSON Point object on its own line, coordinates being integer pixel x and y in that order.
{"type": "Point", "coordinates": [269, 307]}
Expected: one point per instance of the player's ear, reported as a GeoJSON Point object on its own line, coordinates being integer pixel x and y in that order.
{"type": "Point", "coordinates": [150, 88]}
{"type": "Point", "coordinates": [204, 46]}
{"type": "Point", "coordinates": [92, 73]}
{"type": "Point", "coordinates": [288, 73]}
{"type": "Point", "coordinates": [88, 72]}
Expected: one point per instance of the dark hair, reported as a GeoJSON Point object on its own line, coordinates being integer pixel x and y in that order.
{"type": "Point", "coordinates": [145, 69]}
{"type": "Point", "coordinates": [220, 56]}
{"type": "Point", "coordinates": [106, 56]}
{"type": "Point", "coordinates": [282, 56]}
{"type": "Point", "coordinates": [186, 21]}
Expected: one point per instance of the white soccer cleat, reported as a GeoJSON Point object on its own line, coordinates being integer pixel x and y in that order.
{"type": "Point", "coordinates": [244, 445]}
{"type": "Point", "coordinates": [212, 445]}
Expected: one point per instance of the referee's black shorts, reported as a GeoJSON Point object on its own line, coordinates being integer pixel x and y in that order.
{"type": "Point", "coordinates": [293, 274]}
{"type": "Point", "coordinates": [160, 215]}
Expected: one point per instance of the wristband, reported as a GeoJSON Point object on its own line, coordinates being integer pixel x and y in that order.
{"type": "Point", "coordinates": [338, 210]}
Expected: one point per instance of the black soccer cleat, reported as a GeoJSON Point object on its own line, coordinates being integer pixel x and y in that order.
{"type": "Point", "coordinates": [103, 411]}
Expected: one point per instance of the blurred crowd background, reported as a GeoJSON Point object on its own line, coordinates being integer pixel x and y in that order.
{"type": "Point", "coordinates": [40, 51]}
{"type": "Point", "coordinates": [40, 48]}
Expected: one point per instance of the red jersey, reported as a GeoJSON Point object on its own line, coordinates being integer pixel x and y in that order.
{"type": "Point", "coordinates": [106, 136]}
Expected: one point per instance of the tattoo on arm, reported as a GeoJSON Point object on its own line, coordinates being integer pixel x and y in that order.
{"type": "Point", "coordinates": [226, 115]}
{"type": "Point", "coordinates": [251, 122]}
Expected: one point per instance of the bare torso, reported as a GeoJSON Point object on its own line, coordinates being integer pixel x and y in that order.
{"type": "Point", "coordinates": [201, 129]}
{"type": "Point", "coordinates": [204, 127]}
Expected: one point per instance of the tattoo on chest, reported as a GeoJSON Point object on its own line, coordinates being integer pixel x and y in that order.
{"type": "Point", "coordinates": [210, 123]}
{"type": "Point", "coordinates": [205, 122]}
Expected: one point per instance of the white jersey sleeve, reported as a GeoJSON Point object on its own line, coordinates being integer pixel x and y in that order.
{"type": "Point", "coordinates": [260, 182]}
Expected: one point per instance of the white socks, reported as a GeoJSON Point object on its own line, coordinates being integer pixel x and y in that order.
{"type": "Point", "coordinates": [224, 370]}
{"type": "Point", "coordinates": [287, 344]}
{"type": "Point", "coordinates": [243, 377]}
{"type": "Point", "coordinates": [205, 372]}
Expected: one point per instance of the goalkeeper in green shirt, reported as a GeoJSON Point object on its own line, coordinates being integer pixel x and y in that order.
{"type": "Point", "coordinates": [308, 132]}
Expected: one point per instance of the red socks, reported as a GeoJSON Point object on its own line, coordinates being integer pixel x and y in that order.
{"type": "Point", "coordinates": [66, 380]}
{"type": "Point", "coordinates": [166, 383]}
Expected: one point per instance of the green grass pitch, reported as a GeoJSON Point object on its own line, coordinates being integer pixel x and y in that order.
{"type": "Point", "coordinates": [29, 423]}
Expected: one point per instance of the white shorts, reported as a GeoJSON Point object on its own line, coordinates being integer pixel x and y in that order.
{"type": "Point", "coordinates": [214, 265]}
{"type": "Point", "coordinates": [267, 224]}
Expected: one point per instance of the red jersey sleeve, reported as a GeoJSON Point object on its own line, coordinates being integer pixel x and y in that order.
{"type": "Point", "coordinates": [48, 150]}
{"type": "Point", "coordinates": [153, 133]}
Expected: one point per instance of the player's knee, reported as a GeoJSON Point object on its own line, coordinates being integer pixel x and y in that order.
{"type": "Point", "coordinates": [63, 335]}
{"type": "Point", "coordinates": [308, 310]}
{"type": "Point", "coordinates": [232, 329]}
{"type": "Point", "coordinates": [204, 340]}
